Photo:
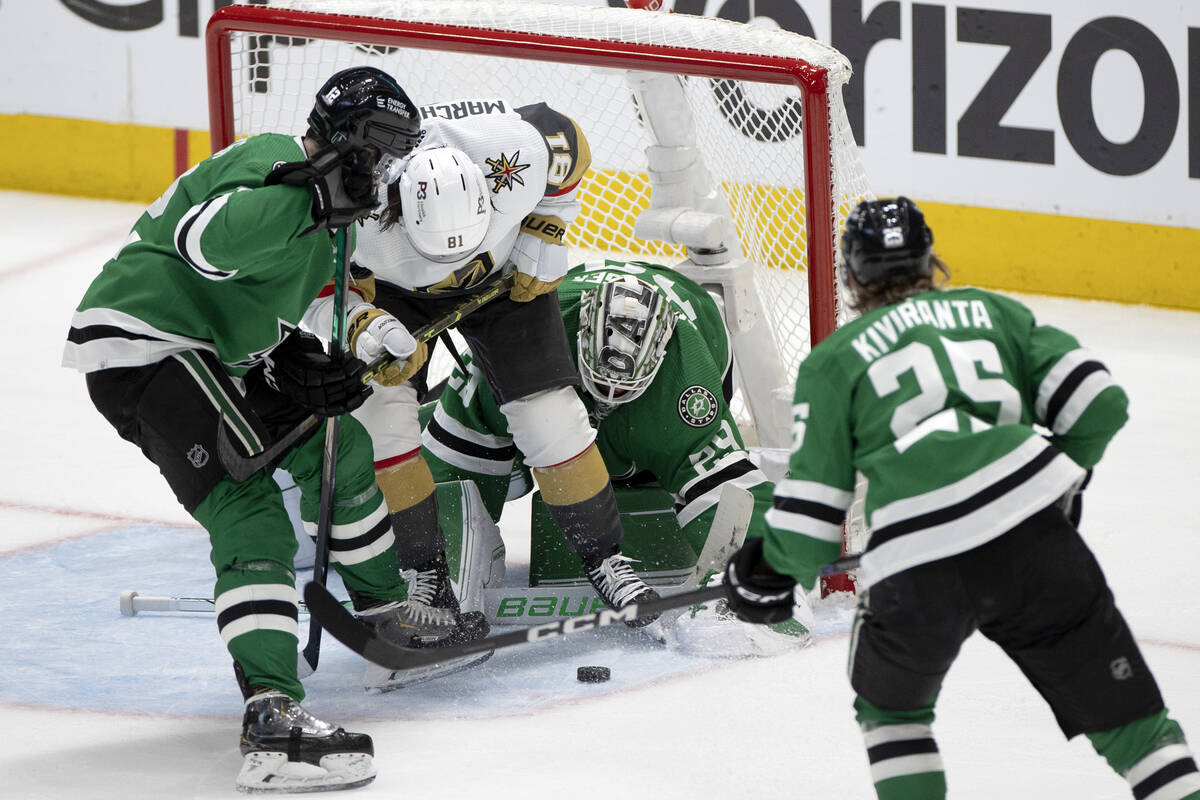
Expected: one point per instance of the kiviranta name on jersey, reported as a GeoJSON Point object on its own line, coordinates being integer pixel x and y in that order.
{"type": "Point", "coordinates": [882, 334]}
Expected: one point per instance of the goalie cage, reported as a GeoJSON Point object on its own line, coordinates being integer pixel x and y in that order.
{"type": "Point", "coordinates": [720, 148]}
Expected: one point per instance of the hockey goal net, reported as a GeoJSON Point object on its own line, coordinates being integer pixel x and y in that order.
{"type": "Point", "coordinates": [719, 147]}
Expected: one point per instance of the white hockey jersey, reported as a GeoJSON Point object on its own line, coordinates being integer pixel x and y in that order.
{"type": "Point", "coordinates": [532, 158]}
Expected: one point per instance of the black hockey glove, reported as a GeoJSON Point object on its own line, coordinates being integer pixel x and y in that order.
{"type": "Point", "coordinates": [342, 185]}
{"type": "Point", "coordinates": [300, 369]}
{"type": "Point", "coordinates": [755, 592]}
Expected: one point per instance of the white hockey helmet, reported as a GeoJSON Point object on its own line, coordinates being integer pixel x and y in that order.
{"type": "Point", "coordinates": [624, 327]}
{"type": "Point", "coordinates": [445, 204]}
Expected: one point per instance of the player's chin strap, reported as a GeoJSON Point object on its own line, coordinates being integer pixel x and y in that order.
{"type": "Point", "coordinates": [240, 467]}
{"type": "Point", "coordinates": [350, 631]}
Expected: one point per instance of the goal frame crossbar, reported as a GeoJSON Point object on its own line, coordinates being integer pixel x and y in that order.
{"type": "Point", "coordinates": [812, 81]}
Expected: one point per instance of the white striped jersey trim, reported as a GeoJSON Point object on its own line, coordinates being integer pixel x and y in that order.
{"type": "Point", "coordinates": [1081, 396]}
{"type": "Point", "coordinates": [121, 351]}
{"type": "Point", "coordinates": [830, 498]}
{"type": "Point", "coordinates": [251, 622]}
{"type": "Point", "coordinates": [456, 458]}
{"type": "Point", "coordinates": [703, 502]}
{"type": "Point", "coordinates": [970, 530]}
{"type": "Point", "coordinates": [964, 488]}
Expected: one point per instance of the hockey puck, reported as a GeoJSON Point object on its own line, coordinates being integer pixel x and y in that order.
{"type": "Point", "coordinates": [593, 674]}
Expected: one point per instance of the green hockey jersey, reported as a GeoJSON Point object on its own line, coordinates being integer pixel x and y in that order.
{"type": "Point", "coordinates": [941, 402]}
{"type": "Point", "coordinates": [680, 432]}
{"type": "Point", "coordinates": [216, 263]}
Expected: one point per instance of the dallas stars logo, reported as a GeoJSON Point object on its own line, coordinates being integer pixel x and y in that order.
{"type": "Point", "coordinates": [256, 357]}
{"type": "Point", "coordinates": [505, 172]}
{"type": "Point", "coordinates": [697, 406]}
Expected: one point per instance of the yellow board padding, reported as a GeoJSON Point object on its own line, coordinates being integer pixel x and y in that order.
{"type": "Point", "coordinates": [1022, 251]}
{"type": "Point", "coordinates": [91, 159]}
{"type": "Point", "coordinates": [1019, 251]}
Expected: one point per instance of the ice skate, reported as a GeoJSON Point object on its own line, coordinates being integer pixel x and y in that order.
{"type": "Point", "coordinates": [432, 618]}
{"type": "Point", "coordinates": [618, 585]}
{"type": "Point", "coordinates": [431, 598]}
{"type": "Point", "coordinates": [286, 749]}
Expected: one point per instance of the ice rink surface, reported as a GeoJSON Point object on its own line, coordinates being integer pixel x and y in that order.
{"type": "Point", "coordinates": [97, 706]}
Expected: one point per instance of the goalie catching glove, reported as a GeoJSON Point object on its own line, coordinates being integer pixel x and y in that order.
{"type": "Point", "coordinates": [300, 368]}
{"type": "Point", "coordinates": [373, 333]}
{"type": "Point", "coordinates": [755, 592]}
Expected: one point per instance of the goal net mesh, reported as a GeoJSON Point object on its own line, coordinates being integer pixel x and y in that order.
{"type": "Point", "coordinates": [748, 135]}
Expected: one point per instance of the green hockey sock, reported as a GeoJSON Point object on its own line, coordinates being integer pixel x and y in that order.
{"type": "Point", "coordinates": [904, 758]}
{"type": "Point", "coordinates": [923, 786]}
{"type": "Point", "coordinates": [1152, 755]}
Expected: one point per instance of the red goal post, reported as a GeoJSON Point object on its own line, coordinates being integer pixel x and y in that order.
{"type": "Point", "coordinates": [718, 147]}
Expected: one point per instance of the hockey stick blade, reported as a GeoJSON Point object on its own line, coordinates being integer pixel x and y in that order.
{"type": "Point", "coordinates": [843, 564]}
{"type": "Point", "coordinates": [348, 630]}
{"type": "Point", "coordinates": [241, 467]}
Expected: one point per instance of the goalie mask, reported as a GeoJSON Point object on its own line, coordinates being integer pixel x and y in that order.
{"type": "Point", "coordinates": [445, 206]}
{"type": "Point", "coordinates": [624, 327]}
{"type": "Point", "coordinates": [884, 239]}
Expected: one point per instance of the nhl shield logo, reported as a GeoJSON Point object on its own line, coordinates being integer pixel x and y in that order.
{"type": "Point", "coordinates": [697, 406]}
{"type": "Point", "coordinates": [198, 456]}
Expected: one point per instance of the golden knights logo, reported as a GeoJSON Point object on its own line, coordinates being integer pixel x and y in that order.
{"type": "Point", "coordinates": [505, 171]}
{"type": "Point", "coordinates": [465, 277]}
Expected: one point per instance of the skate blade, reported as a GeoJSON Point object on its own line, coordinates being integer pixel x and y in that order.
{"type": "Point", "coordinates": [379, 679]}
{"type": "Point", "coordinates": [270, 773]}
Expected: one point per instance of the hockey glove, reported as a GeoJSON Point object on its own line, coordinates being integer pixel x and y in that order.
{"type": "Point", "coordinates": [342, 186]}
{"type": "Point", "coordinates": [300, 369]}
{"type": "Point", "coordinates": [374, 332]}
{"type": "Point", "coordinates": [755, 592]}
{"type": "Point", "coordinates": [526, 287]}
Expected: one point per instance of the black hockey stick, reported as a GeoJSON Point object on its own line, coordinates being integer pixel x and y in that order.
{"type": "Point", "coordinates": [347, 629]}
{"type": "Point", "coordinates": [241, 467]}
{"type": "Point", "coordinates": [311, 653]}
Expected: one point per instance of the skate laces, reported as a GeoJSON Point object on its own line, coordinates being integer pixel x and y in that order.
{"type": "Point", "coordinates": [422, 587]}
{"type": "Point", "coordinates": [616, 580]}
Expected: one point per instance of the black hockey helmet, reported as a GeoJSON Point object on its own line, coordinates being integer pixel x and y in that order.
{"type": "Point", "coordinates": [364, 106]}
{"type": "Point", "coordinates": [886, 238]}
